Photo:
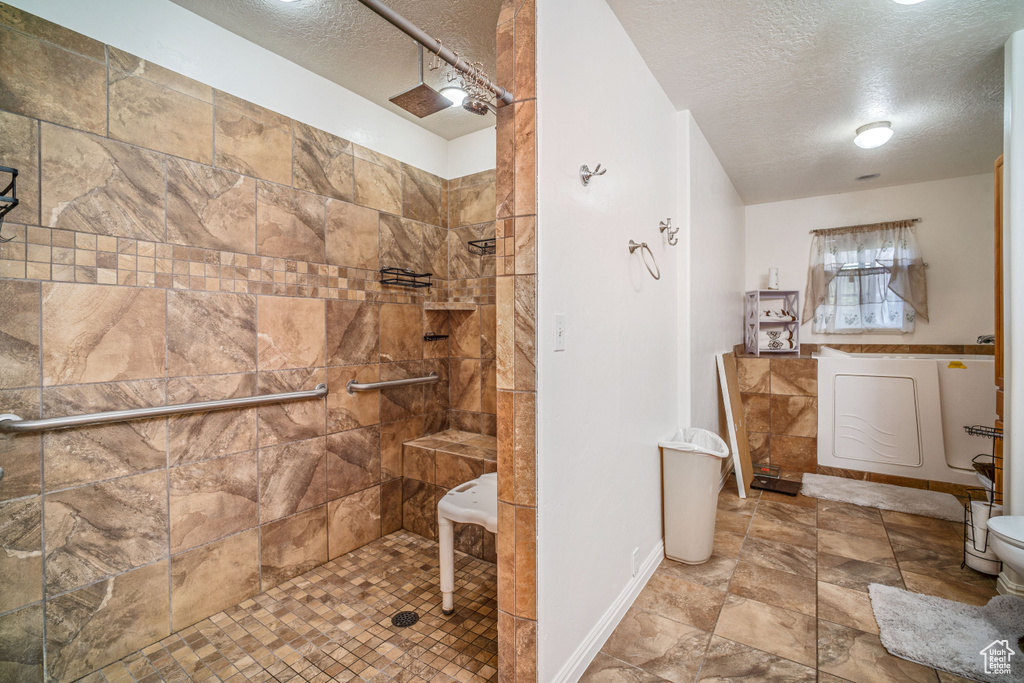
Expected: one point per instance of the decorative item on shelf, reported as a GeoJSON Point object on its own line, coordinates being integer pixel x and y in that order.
{"type": "Point", "coordinates": [429, 336]}
{"type": "Point", "coordinates": [403, 277]}
{"type": "Point", "coordinates": [8, 199]}
{"type": "Point", "coordinates": [667, 225]}
{"type": "Point", "coordinates": [773, 278]}
{"type": "Point", "coordinates": [482, 247]}
{"type": "Point", "coordinates": [771, 322]}
{"type": "Point", "coordinates": [586, 174]}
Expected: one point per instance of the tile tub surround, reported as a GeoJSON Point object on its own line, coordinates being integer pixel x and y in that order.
{"type": "Point", "coordinates": [784, 596]}
{"type": "Point", "coordinates": [329, 624]}
{"type": "Point", "coordinates": [155, 263]}
{"type": "Point", "coordinates": [433, 465]}
{"type": "Point", "coordinates": [780, 404]}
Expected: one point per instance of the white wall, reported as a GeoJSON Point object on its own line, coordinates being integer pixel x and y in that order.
{"type": "Point", "coordinates": [955, 237]}
{"type": "Point", "coordinates": [713, 215]}
{"type": "Point", "coordinates": [171, 36]}
{"type": "Point", "coordinates": [611, 395]}
{"type": "Point", "coordinates": [1013, 282]}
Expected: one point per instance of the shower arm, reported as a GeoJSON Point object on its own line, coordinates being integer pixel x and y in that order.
{"type": "Point", "coordinates": [435, 46]}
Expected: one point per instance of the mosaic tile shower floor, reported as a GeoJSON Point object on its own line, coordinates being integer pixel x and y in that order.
{"type": "Point", "coordinates": [333, 623]}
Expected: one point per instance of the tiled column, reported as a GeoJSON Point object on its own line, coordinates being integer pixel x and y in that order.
{"type": "Point", "coordinates": [516, 186]}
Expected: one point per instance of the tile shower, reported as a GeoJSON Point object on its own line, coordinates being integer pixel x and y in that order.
{"type": "Point", "coordinates": [177, 244]}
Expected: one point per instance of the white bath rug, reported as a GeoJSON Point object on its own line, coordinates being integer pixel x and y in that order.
{"type": "Point", "coordinates": [962, 639]}
{"type": "Point", "coordinates": [884, 496]}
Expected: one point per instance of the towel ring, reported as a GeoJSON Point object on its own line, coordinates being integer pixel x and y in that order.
{"type": "Point", "coordinates": [633, 246]}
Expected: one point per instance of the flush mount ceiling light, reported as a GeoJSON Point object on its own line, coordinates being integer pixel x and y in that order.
{"type": "Point", "coordinates": [907, 2]}
{"type": "Point", "coordinates": [456, 95]}
{"type": "Point", "coordinates": [873, 135]}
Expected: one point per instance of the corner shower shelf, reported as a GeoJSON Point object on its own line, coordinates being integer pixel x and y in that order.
{"type": "Point", "coordinates": [754, 323]}
{"type": "Point", "coordinates": [402, 277]}
{"type": "Point", "coordinates": [482, 247]}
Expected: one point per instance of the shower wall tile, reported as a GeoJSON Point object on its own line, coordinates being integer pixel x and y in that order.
{"type": "Point", "coordinates": [21, 643]}
{"type": "Point", "coordinates": [292, 477]}
{"type": "Point", "coordinates": [353, 521]}
{"type": "Point", "coordinates": [353, 235]}
{"type": "Point", "coordinates": [505, 162]}
{"type": "Point", "coordinates": [136, 66]}
{"type": "Point", "coordinates": [294, 421]}
{"type": "Point", "coordinates": [37, 27]}
{"type": "Point", "coordinates": [526, 158]}
{"type": "Point", "coordinates": [348, 411]}
{"type": "Point", "coordinates": [21, 151]}
{"type": "Point", "coordinates": [525, 449]}
{"type": "Point", "coordinates": [212, 578]}
{"type": "Point", "coordinates": [526, 51]}
{"type": "Point", "coordinates": [250, 147]}
{"type": "Point", "coordinates": [437, 396]}
{"type": "Point", "coordinates": [89, 454]}
{"type": "Point", "coordinates": [392, 436]}
{"type": "Point", "coordinates": [760, 447]}
{"type": "Point", "coordinates": [526, 562]}
{"type": "Point", "coordinates": [366, 154]}
{"type": "Point", "coordinates": [418, 463]}
{"type": "Point", "coordinates": [398, 403]}
{"type": "Point", "coordinates": [794, 415]}
{"type": "Point", "coordinates": [261, 115]}
{"type": "Point", "coordinates": [435, 251]}
{"type": "Point", "coordinates": [101, 334]}
{"type": "Point", "coordinates": [794, 376]}
{"type": "Point", "coordinates": [289, 223]}
{"type": "Point", "coordinates": [148, 114]}
{"type": "Point", "coordinates": [377, 187]}
{"type": "Point", "coordinates": [526, 245]}
{"type": "Point", "coordinates": [391, 506]}
{"type": "Point", "coordinates": [322, 163]}
{"type": "Point", "coordinates": [210, 333]}
{"type": "Point", "coordinates": [291, 333]}
{"type": "Point", "coordinates": [505, 66]}
{"type": "Point", "coordinates": [505, 332]}
{"type": "Point", "coordinates": [465, 384]}
{"type": "Point", "coordinates": [91, 184]}
{"type": "Point", "coordinates": [20, 454]}
{"type": "Point", "coordinates": [353, 332]}
{"type": "Point", "coordinates": [353, 461]}
{"type": "Point", "coordinates": [103, 529]}
{"type": "Point", "coordinates": [201, 436]}
{"type": "Point", "coordinates": [476, 204]}
{"type": "Point", "coordinates": [421, 196]}
{"type": "Point", "coordinates": [452, 469]}
{"type": "Point", "coordinates": [96, 625]}
{"type": "Point", "coordinates": [757, 412]}
{"type": "Point", "coordinates": [754, 375]}
{"type": "Point", "coordinates": [19, 334]}
{"type": "Point", "coordinates": [794, 453]}
{"type": "Point", "coordinates": [419, 509]}
{"type": "Point", "coordinates": [213, 499]}
{"type": "Point", "coordinates": [465, 331]}
{"type": "Point", "coordinates": [21, 553]}
{"type": "Point", "coordinates": [211, 208]}
{"type": "Point", "coordinates": [506, 446]}
{"type": "Point", "coordinates": [50, 83]}
{"type": "Point", "coordinates": [525, 333]}
{"type": "Point", "coordinates": [293, 545]}
{"type": "Point", "coordinates": [401, 332]}
{"type": "Point", "coordinates": [401, 244]}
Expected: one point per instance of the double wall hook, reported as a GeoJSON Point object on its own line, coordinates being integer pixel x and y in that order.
{"type": "Point", "coordinates": [633, 246]}
{"type": "Point", "coordinates": [586, 174]}
{"type": "Point", "coordinates": [667, 225]}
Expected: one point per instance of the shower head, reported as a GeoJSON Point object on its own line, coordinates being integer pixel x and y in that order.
{"type": "Point", "coordinates": [422, 100]}
{"type": "Point", "coordinates": [478, 107]}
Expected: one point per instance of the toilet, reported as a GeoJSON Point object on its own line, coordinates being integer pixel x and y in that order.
{"type": "Point", "coordinates": [474, 502]}
{"type": "Point", "coordinates": [1007, 539]}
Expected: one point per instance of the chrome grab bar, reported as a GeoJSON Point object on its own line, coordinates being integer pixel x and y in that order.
{"type": "Point", "coordinates": [354, 386]}
{"type": "Point", "coordinates": [12, 424]}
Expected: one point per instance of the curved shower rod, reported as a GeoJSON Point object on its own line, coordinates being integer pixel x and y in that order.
{"type": "Point", "coordinates": [435, 46]}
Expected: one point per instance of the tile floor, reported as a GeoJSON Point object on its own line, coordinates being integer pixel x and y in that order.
{"type": "Point", "coordinates": [784, 597]}
{"type": "Point", "coordinates": [333, 623]}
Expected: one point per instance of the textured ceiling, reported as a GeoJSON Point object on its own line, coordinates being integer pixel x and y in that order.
{"type": "Point", "coordinates": [779, 86]}
{"type": "Point", "coordinates": [345, 42]}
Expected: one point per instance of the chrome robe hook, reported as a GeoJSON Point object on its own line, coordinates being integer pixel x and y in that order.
{"type": "Point", "coordinates": [586, 174]}
{"type": "Point", "coordinates": [667, 225]}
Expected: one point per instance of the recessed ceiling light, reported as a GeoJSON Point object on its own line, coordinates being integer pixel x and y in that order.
{"type": "Point", "coordinates": [873, 135]}
{"type": "Point", "coordinates": [456, 95]}
{"type": "Point", "coordinates": [869, 176]}
{"type": "Point", "coordinates": [907, 2]}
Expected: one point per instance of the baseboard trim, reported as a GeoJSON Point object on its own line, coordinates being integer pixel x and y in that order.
{"type": "Point", "coordinates": [595, 640]}
{"type": "Point", "coordinates": [1007, 587]}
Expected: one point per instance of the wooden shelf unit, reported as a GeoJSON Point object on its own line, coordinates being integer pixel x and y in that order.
{"type": "Point", "coordinates": [757, 300]}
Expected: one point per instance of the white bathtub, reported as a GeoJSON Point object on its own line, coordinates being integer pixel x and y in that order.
{"type": "Point", "coordinates": [904, 415]}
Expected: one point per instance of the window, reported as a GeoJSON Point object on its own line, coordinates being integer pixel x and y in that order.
{"type": "Point", "coordinates": [866, 278]}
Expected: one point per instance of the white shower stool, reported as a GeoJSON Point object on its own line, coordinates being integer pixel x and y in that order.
{"type": "Point", "coordinates": [475, 502]}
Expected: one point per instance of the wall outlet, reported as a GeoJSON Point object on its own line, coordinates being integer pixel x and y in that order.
{"type": "Point", "coordinates": [560, 332]}
{"type": "Point", "coordinates": [636, 561]}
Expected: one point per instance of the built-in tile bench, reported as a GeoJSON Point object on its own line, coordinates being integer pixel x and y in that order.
{"type": "Point", "coordinates": [434, 464]}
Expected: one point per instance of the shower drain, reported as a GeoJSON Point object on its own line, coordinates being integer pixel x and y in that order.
{"type": "Point", "coordinates": [403, 619]}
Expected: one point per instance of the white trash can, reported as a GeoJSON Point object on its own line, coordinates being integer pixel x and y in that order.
{"type": "Point", "coordinates": [691, 467]}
